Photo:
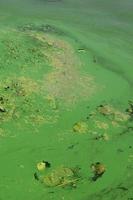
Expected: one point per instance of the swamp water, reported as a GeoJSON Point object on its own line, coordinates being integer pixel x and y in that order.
{"type": "Point", "coordinates": [66, 102]}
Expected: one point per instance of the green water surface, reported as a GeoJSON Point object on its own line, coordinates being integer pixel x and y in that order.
{"type": "Point", "coordinates": [100, 34]}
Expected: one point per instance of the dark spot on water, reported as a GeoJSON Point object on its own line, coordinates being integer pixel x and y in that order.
{"type": "Point", "coordinates": [7, 87]}
{"type": "Point", "coordinates": [94, 59]}
{"type": "Point", "coordinates": [120, 150]}
{"type": "Point", "coordinates": [71, 147]}
{"type": "Point", "coordinates": [47, 164]}
{"type": "Point", "coordinates": [36, 176]}
{"type": "Point", "coordinates": [2, 110]}
{"type": "Point", "coordinates": [97, 176]}
{"type": "Point", "coordinates": [122, 188]}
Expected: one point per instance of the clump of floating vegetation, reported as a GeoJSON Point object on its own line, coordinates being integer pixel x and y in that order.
{"type": "Point", "coordinates": [49, 76]}
{"type": "Point", "coordinates": [80, 127]}
{"type": "Point", "coordinates": [14, 91]}
{"type": "Point", "coordinates": [109, 110]}
{"type": "Point", "coordinates": [49, 59]}
{"type": "Point", "coordinates": [98, 170]}
{"type": "Point", "coordinates": [61, 177]}
{"type": "Point", "coordinates": [18, 100]}
{"type": "Point", "coordinates": [23, 86]}
{"type": "Point", "coordinates": [105, 109]}
{"type": "Point", "coordinates": [103, 121]}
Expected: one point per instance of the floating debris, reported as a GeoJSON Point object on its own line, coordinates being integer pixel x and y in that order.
{"type": "Point", "coordinates": [101, 125]}
{"type": "Point", "coordinates": [108, 110]}
{"type": "Point", "coordinates": [41, 166]}
{"type": "Point", "coordinates": [104, 137]}
{"type": "Point", "coordinates": [47, 164]}
{"type": "Point", "coordinates": [98, 170]}
{"type": "Point", "coordinates": [105, 109]}
{"type": "Point", "coordinates": [61, 177]}
{"type": "Point", "coordinates": [80, 127]}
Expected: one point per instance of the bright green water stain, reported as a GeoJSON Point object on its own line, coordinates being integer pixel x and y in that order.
{"type": "Point", "coordinates": [66, 80]}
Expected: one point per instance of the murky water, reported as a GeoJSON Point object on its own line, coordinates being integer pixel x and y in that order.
{"type": "Point", "coordinates": [66, 102]}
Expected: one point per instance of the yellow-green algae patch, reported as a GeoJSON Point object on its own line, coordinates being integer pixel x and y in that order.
{"type": "Point", "coordinates": [38, 105]}
{"type": "Point", "coordinates": [103, 123]}
{"type": "Point", "coordinates": [49, 78]}
{"type": "Point", "coordinates": [61, 177]}
{"type": "Point", "coordinates": [66, 81]}
{"type": "Point", "coordinates": [80, 127]}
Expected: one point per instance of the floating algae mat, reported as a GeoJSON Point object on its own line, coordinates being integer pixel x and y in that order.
{"type": "Point", "coordinates": [66, 102]}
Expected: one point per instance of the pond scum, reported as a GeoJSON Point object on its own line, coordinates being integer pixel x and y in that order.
{"type": "Point", "coordinates": [60, 177]}
{"type": "Point", "coordinates": [48, 73]}
{"type": "Point", "coordinates": [49, 79]}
